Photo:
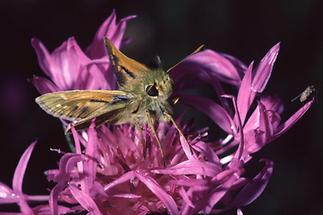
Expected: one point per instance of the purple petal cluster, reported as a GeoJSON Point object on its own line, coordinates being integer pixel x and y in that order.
{"type": "Point", "coordinates": [111, 173]}
{"type": "Point", "coordinates": [69, 68]}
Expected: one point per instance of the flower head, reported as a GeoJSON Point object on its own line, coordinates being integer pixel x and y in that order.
{"type": "Point", "coordinates": [111, 171]}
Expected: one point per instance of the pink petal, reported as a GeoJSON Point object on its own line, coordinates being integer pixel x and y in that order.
{"type": "Point", "coordinates": [44, 58]}
{"type": "Point", "coordinates": [127, 196]}
{"type": "Point", "coordinates": [45, 210]}
{"type": "Point", "coordinates": [216, 112]}
{"type": "Point", "coordinates": [239, 65]}
{"type": "Point", "coordinates": [187, 148]}
{"type": "Point", "coordinates": [67, 164]}
{"type": "Point", "coordinates": [252, 190]}
{"type": "Point", "coordinates": [241, 147]}
{"type": "Point", "coordinates": [239, 212]}
{"type": "Point", "coordinates": [245, 94]}
{"type": "Point", "coordinates": [97, 189]}
{"type": "Point", "coordinates": [191, 167]}
{"type": "Point", "coordinates": [211, 195]}
{"type": "Point", "coordinates": [53, 198]}
{"type": "Point", "coordinates": [227, 173]}
{"type": "Point", "coordinates": [264, 130]}
{"type": "Point", "coordinates": [24, 207]}
{"type": "Point", "coordinates": [265, 125]}
{"type": "Point", "coordinates": [157, 190]}
{"type": "Point", "coordinates": [67, 62]}
{"type": "Point", "coordinates": [117, 38]}
{"type": "Point", "coordinates": [21, 169]}
{"type": "Point", "coordinates": [76, 140]}
{"type": "Point", "coordinates": [293, 119]}
{"type": "Point", "coordinates": [185, 197]}
{"type": "Point", "coordinates": [215, 195]}
{"type": "Point", "coordinates": [90, 165]}
{"type": "Point", "coordinates": [264, 69]}
{"type": "Point", "coordinates": [95, 50]}
{"type": "Point", "coordinates": [48, 64]}
{"type": "Point", "coordinates": [7, 195]}
{"type": "Point", "coordinates": [110, 29]}
{"type": "Point", "coordinates": [214, 64]}
{"type": "Point", "coordinates": [207, 152]}
{"type": "Point", "coordinates": [72, 50]}
{"type": "Point", "coordinates": [121, 179]}
{"type": "Point", "coordinates": [9, 200]}
{"type": "Point", "coordinates": [189, 182]}
{"type": "Point", "coordinates": [85, 200]}
{"type": "Point", "coordinates": [253, 121]}
{"type": "Point", "coordinates": [261, 134]}
{"type": "Point", "coordinates": [43, 85]}
{"type": "Point", "coordinates": [51, 174]}
{"type": "Point", "coordinates": [98, 75]}
{"type": "Point", "coordinates": [272, 103]}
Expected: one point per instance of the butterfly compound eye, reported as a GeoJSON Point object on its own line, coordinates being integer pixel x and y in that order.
{"type": "Point", "coordinates": [151, 90]}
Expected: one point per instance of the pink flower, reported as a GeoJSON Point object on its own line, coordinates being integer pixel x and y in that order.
{"type": "Point", "coordinates": [110, 172]}
{"type": "Point", "coordinates": [68, 67]}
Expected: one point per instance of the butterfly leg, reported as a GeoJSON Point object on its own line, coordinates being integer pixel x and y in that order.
{"type": "Point", "coordinates": [151, 124]}
{"type": "Point", "coordinates": [142, 140]}
{"type": "Point", "coordinates": [68, 135]}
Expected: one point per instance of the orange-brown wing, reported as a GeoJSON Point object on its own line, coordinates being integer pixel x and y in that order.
{"type": "Point", "coordinates": [77, 105]}
{"type": "Point", "coordinates": [127, 69]}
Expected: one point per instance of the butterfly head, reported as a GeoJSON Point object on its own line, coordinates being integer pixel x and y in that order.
{"type": "Point", "coordinates": [158, 85]}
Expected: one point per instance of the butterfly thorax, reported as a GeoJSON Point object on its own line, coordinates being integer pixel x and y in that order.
{"type": "Point", "coordinates": [151, 94]}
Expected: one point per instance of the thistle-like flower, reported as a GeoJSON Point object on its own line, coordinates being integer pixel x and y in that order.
{"type": "Point", "coordinates": [109, 171]}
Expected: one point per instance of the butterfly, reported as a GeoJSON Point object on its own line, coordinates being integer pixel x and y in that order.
{"type": "Point", "coordinates": [144, 96]}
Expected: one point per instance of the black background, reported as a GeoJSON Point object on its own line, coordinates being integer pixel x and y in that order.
{"type": "Point", "coordinates": [171, 29]}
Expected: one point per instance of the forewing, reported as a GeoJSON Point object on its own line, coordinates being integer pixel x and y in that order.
{"type": "Point", "coordinates": [127, 69]}
{"type": "Point", "coordinates": [111, 117]}
{"type": "Point", "coordinates": [79, 105]}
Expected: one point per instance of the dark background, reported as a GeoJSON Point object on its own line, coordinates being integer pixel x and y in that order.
{"type": "Point", "coordinates": [171, 29]}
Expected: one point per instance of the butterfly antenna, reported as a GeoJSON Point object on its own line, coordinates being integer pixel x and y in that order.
{"type": "Point", "coordinates": [158, 62]}
{"type": "Point", "coordinates": [296, 97]}
{"type": "Point", "coordinates": [194, 52]}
